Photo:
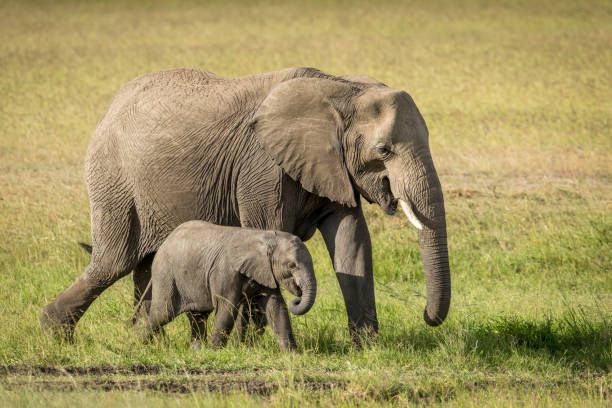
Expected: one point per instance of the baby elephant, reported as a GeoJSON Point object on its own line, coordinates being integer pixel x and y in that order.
{"type": "Point", "coordinates": [202, 266]}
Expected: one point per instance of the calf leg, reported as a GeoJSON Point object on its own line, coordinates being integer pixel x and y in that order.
{"type": "Point", "coordinates": [197, 321]}
{"type": "Point", "coordinates": [160, 314]}
{"type": "Point", "coordinates": [278, 317]}
{"type": "Point", "coordinates": [141, 277]}
{"type": "Point", "coordinates": [242, 321]}
{"type": "Point", "coordinates": [258, 317]}
{"type": "Point", "coordinates": [250, 311]}
{"type": "Point", "coordinates": [225, 316]}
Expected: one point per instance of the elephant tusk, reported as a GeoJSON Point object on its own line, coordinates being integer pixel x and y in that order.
{"type": "Point", "coordinates": [407, 208]}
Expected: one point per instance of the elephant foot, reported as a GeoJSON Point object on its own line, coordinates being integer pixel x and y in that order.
{"type": "Point", "coordinates": [147, 338]}
{"type": "Point", "coordinates": [56, 323]}
{"type": "Point", "coordinates": [218, 341]}
{"type": "Point", "coordinates": [196, 345]}
{"type": "Point", "coordinates": [288, 346]}
{"type": "Point", "coordinates": [139, 327]}
{"type": "Point", "coordinates": [364, 334]}
{"type": "Point", "coordinates": [61, 316]}
{"type": "Point", "coordinates": [149, 335]}
{"type": "Point", "coordinates": [140, 317]}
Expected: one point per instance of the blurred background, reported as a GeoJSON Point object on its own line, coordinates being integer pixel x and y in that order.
{"type": "Point", "coordinates": [517, 97]}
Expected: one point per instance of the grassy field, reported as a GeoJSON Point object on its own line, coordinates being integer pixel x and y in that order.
{"type": "Point", "coordinates": [518, 100]}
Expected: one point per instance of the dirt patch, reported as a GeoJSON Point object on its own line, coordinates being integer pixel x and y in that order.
{"type": "Point", "coordinates": [33, 370]}
{"type": "Point", "coordinates": [253, 387]}
{"type": "Point", "coordinates": [73, 378]}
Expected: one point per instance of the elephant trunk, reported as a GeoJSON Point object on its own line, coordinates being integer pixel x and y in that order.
{"type": "Point", "coordinates": [424, 207]}
{"type": "Point", "coordinates": [308, 286]}
{"type": "Point", "coordinates": [434, 253]}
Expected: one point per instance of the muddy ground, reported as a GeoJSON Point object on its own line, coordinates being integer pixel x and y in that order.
{"type": "Point", "coordinates": [150, 378]}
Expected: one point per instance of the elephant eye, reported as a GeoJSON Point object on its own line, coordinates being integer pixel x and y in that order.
{"type": "Point", "coordinates": [292, 265]}
{"type": "Point", "coordinates": [383, 150]}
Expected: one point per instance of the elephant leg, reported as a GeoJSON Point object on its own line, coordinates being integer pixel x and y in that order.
{"type": "Point", "coordinates": [258, 314]}
{"type": "Point", "coordinates": [61, 316]}
{"type": "Point", "coordinates": [347, 239]}
{"type": "Point", "coordinates": [160, 314]}
{"type": "Point", "coordinates": [278, 317]}
{"type": "Point", "coordinates": [197, 321]}
{"type": "Point", "coordinates": [115, 236]}
{"type": "Point", "coordinates": [225, 317]}
{"type": "Point", "coordinates": [258, 317]}
{"type": "Point", "coordinates": [258, 215]}
{"type": "Point", "coordinates": [250, 312]}
{"type": "Point", "coordinates": [242, 321]}
{"type": "Point", "coordinates": [141, 277]}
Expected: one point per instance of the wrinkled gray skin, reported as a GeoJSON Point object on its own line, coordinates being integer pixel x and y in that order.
{"type": "Point", "coordinates": [202, 266]}
{"type": "Point", "coordinates": [292, 150]}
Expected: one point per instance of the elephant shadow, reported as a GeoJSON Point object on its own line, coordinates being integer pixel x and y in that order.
{"type": "Point", "coordinates": [575, 339]}
{"type": "Point", "coordinates": [572, 339]}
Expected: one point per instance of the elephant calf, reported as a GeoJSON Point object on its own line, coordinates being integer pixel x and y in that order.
{"type": "Point", "coordinates": [202, 266]}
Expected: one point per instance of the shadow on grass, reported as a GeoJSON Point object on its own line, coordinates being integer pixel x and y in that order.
{"type": "Point", "coordinates": [574, 339]}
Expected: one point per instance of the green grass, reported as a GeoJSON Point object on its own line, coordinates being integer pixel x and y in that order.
{"type": "Point", "coordinates": [518, 101]}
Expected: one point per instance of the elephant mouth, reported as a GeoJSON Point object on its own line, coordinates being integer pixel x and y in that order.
{"type": "Point", "coordinates": [381, 195]}
{"type": "Point", "coordinates": [294, 289]}
{"type": "Point", "coordinates": [385, 199]}
{"type": "Point", "coordinates": [390, 206]}
{"type": "Point", "coordinates": [388, 202]}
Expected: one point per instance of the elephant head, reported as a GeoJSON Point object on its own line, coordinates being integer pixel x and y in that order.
{"type": "Point", "coordinates": [339, 138]}
{"type": "Point", "coordinates": [282, 258]}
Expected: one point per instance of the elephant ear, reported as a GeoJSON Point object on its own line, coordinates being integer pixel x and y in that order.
{"type": "Point", "coordinates": [254, 260]}
{"type": "Point", "coordinates": [299, 127]}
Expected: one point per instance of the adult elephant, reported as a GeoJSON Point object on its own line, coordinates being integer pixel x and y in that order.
{"type": "Point", "coordinates": [292, 150]}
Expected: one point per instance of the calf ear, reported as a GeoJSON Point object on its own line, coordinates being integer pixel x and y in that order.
{"type": "Point", "coordinates": [254, 260]}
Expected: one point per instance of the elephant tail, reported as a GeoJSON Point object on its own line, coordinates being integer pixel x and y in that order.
{"type": "Point", "coordinates": [88, 248]}
{"type": "Point", "coordinates": [139, 304]}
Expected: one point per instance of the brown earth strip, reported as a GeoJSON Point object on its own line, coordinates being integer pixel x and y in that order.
{"type": "Point", "coordinates": [139, 369]}
{"type": "Point", "coordinates": [267, 388]}
{"type": "Point", "coordinates": [46, 378]}
{"type": "Point", "coordinates": [253, 387]}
